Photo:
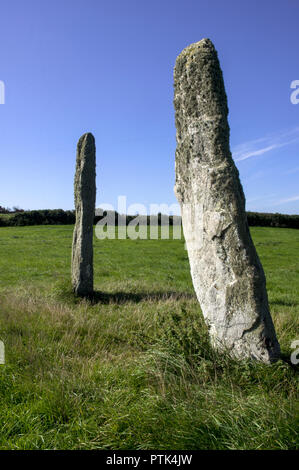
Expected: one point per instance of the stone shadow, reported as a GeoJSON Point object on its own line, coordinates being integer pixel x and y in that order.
{"type": "Point", "coordinates": [99, 297]}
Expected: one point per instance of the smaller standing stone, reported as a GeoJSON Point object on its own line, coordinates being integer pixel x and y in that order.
{"type": "Point", "coordinates": [85, 194]}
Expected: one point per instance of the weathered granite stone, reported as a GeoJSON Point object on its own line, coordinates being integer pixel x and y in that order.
{"type": "Point", "coordinates": [85, 193]}
{"type": "Point", "coordinates": [227, 274]}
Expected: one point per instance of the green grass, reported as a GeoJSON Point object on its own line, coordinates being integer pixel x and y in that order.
{"type": "Point", "coordinates": [134, 369]}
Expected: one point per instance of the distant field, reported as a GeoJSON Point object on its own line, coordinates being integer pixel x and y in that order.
{"type": "Point", "coordinates": [133, 368]}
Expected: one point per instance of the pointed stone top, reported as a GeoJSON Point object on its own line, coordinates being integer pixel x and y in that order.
{"type": "Point", "coordinates": [87, 138]}
{"type": "Point", "coordinates": [205, 42]}
{"type": "Point", "coordinates": [203, 46]}
{"type": "Point", "coordinates": [86, 143]}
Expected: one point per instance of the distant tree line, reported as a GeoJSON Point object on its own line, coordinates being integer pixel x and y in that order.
{"type": "Point", "coordinates": [38, 217]}
{"type": "Point", "coordinates": [61, 217]}
{"type": "Point", "coordinates": [267, 219]}
{"type": "Point", "coordinates": [8, 210]}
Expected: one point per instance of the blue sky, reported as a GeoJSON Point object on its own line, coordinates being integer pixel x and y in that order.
{"type": "Point", "coordinates": [73, 66]}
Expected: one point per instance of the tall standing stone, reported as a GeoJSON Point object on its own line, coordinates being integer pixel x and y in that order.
{"type": "Point", "coordinates": [227, 275]}
{"type": "Point", "coordinates": [85, 194]}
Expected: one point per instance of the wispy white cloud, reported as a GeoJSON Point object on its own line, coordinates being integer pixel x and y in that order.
{"type": "Point", "coordinates": [292, 171]}
{"type": "Point", "coordinates": [288, 199]}
{"type": "Point", "coordinates": [254, 153]}
{"type": "Point", "coordinates": [263, 145]}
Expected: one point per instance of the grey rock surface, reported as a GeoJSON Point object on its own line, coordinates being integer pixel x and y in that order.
{"type": "Point", "coordinates": [85, 194]}
{"type": "Point", "coordinates": [227, 274]}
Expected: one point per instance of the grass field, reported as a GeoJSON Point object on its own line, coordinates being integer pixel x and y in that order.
{"type": "Point", "coordinates": [133, 368]}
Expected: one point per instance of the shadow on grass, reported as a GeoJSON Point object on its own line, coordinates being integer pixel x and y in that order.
{"type": "Point", "coordinates": [64, 292]}
{"type": "Point", "coordinates": [136, 297]}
